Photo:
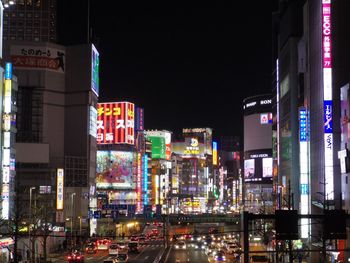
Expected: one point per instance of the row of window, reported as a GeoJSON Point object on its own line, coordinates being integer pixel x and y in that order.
{"type": "Point", "coordinates": [31, 38]}
{"type": "Point", "coordinates": [29, 31]}
{"type": "Point", "coordinates": [35, 23]}
{"type": "Point", "coordinates": [44, 15]}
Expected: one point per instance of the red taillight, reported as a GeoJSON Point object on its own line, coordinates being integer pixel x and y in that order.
{"type": "Point", "coordinates": [69, 257]}
{"type": "Point", "coordinates": [78, 257]}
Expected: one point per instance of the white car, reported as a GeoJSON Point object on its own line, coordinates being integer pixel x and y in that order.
{"type": "Point", "coordinates": [180, 245]}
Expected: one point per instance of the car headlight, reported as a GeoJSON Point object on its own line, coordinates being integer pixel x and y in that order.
{"type": "Point", "coordinates": [196, 247]}
{"type": "Point", "coordinates": [176, 246]}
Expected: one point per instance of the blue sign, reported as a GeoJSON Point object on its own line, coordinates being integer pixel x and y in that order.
{"type": "Point", "coordinates": [304, 189]}
{"type": "Point", "coordinates": [145, 179]}
{"type": "Point", "coordinates": [97, 214]}
{"type": "Point", "coordinates": [303, 134]}
{"type": "Point", "coordinates": [8, 71]}
{"type": "Point", "coordinates": [327, 116]}
{"type": "Point", "coordinates": [215, 146]}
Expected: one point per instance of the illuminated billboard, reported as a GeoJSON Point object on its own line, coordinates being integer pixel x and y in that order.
{"type": "Point", "coordinates": [139, 121]}
{"type": "Point", "coordinates": [258, 166]}
{"type": "Point", "coordinates": [190, 148]}
{"type": "Point", "coordinates": [158, 147]}
{"type": "Point", "coordinates": [327, 97]}
{"type": "Point", "coordinates": [215, 153]}
{"type": "Point", "coordinates": [38, 58]}
{"type": "Point", "coordinates": [59, 189]}
{"type": "Point", "coordinates": [267, 167]}
{"type": "Point", "coordinates": [167, 137]}
{"type": "Point", "coordinates": [114, 170]}
{"type": "Point", "coordinates": [115, 123]}
{"type": "Point", "coordinates": [249, 169]}
{"type": "Point", "coordinates": [95, 69]}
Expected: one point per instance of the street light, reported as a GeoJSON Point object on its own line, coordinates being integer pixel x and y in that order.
{"type": "Point", "coordinates": [79, 227]}
{"type": "Point", "coordinates": [30, 214]}
{"type": "Point", "coordinates": [71, 223]}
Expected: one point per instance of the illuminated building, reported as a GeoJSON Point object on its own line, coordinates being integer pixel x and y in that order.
{"type": "Point", "coordinates": [257, 172]}
{"type": "Point", "coordinates": [197, 179]}
{"type": "Point", "coordinates": [161, 166]}
{"type": "Point", "coordinates": [312, 61]}
{"type": "Point", "coordinates": [56, 120]}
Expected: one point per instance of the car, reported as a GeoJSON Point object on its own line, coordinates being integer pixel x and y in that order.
{"type": "Point", "coordinates": [122, 245]}
{"type": "Point", "coordinates": [134, 247]}
{"type": "Point", "coordinates": [180, 245]}
{"type": "Point", "coordinates": [142, 240]}
{"type": "Point", "coordinates": [113, 249]}
{"type": "Point", "coordinates": [103, 244]}
{"type": "Point", "coordinates": [109, 260]}
{"type": "Point", "coordinates": [155, 231]}
{"type": "Point", "coordinates": [91, 248]}
{"type": "Point", "coordinates": [75, 257]}
{"type": "Point", "coordinates": [122, 257]}
{"type": "Point", "coordinates": [134, 238]}
{"type": "Point", "coordinates": [218, 256]}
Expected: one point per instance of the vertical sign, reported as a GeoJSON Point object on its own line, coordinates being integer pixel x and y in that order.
{"type": "Point", "coordinates": [215, 153]}
{"type": "Point", "coordinates": [327, 97]}
{"type": "Point", "coordinates": [6, 150]}
{"type": "Point", "coordinates": [145, 179]}
{"type": "Point", "coordinates": [139, 121]}
{"type": "Point", "coordinates": [304, 170]}
{"type": "Point", "coordinates": [115, 123]}
{"type": "Point", "coordinates": [95, 69]}
{"type": "Point", "coordinates": [59, 190]}
{"type": "Point", "coordinates": [138, 183]}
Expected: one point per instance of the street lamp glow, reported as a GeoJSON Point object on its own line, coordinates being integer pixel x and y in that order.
{"type": "Point", "coordinates": [11, 2]}
{"type": "Point", "coordinates": [6, 5]}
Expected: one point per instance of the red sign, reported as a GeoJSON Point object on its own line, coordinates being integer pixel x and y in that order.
{"type": "Point", "coordinates": [115, 123]}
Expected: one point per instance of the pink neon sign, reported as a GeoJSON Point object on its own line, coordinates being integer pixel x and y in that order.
{"type": "Point", "coordinates": [326, 35]}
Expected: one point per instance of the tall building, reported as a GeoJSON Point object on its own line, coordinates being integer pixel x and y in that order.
{"type": "Point", "coordinates": [31, 20]}
{"type": "Point", "coordinates": [56, 120]}
{"type": "Point", "coordinates": [258, 163]}
{"type": "Point", "coordinates": [312, 107]}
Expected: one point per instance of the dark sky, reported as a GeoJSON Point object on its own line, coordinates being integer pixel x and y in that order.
{"type": "Point", "coordinates": [187, 65]}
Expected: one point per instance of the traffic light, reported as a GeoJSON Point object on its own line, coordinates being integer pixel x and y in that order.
{"type": "Point", "coordinates": [334, 224]}
{"type": "Point", "coordinates": [286, 224]}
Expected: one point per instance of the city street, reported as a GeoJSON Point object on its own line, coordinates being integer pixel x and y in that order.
{"type": "Point", "coordinates": [148, 254]}
{"type": "Point", "coordinates": [185, 255]}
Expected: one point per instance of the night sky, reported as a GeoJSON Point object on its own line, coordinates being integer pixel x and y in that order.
{"type": "Point", "coordinates": [187, 65]}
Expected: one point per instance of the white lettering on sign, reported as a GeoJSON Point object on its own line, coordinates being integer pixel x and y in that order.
{"type": "Point", "coordinates": [260, 155]}
{"type": "Point", "coordinates": [251, 104]}
{"type": "Point", "coordinates": [264, 102]}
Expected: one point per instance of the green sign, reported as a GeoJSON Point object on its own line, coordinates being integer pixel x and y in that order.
{"type": "Point", "coordinates": [158, 147]}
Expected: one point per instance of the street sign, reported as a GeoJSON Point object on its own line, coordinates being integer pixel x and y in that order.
{"type": "Point", "coordinates": [97, 214]}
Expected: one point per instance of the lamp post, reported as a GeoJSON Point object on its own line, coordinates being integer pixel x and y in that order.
{"type": "Point", "coordinates": [80, 237]}
{"type": "Point", "coordinates": [71, 222]}
{"type": "Point", "coordinates": [30, 217]}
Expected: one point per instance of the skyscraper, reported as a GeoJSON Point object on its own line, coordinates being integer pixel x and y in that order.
{"type": "Point", "coordinates": [31, 20]}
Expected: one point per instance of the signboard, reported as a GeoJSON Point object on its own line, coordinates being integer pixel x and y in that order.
{"type": "Point", "coordinates": [167, 137]}
{"type": "Point", "coordinates": [145, 179]}
{"type": "Point", "coordinates": [38, 57]}
{"type": "Point", "coordinates": [249, 169]}
{"type": "Point", "coordinates": [115, 123]}
{"type": "Point", "coordinates": [158, 147]}
{"type": "Point", "coordinates": [327, 97]}
{"type": "Point", "coordinates": [59, 189]}
{"type": "Point", "coordinates": [138, 183]}
{"type": "Point", "coordinates": [266, 118]}
{"type": "Point", "coordinates": [303, 134]}
{"type": "Point", "coordinates": [114, 170]}
{"type": "Point", "coordinates": [190, 148]}
{"type": "Point", "coordinates": [139, 123]}
{"type": "Point", "coordinates": [93, 121]}
{"type": "Point", "coordinates": [95, 69]}
{"type": "Point", "coordinates": [215, 153]}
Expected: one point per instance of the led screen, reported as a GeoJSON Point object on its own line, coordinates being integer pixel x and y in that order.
{"type": "Point", "coordinates": [158, 147]}
{"type": "Point", "coordinates": [267, 167]}
{"type": "Point", "coordinates": [249, 169]}
{"type": "Point", "coordinates": [114, 170]}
